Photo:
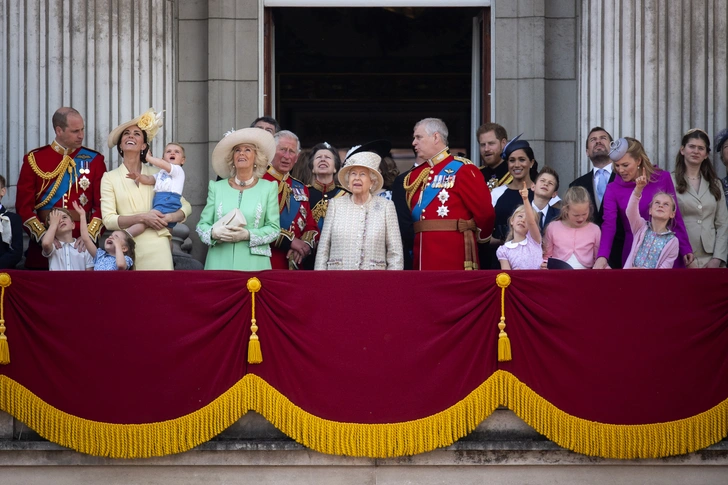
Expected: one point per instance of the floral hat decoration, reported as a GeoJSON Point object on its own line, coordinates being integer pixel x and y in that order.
{"type": "Point", "coordinates": [149, 122]}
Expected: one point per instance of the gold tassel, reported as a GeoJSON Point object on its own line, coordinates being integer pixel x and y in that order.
{"type": "Point", "coordinates": [4, 347]}
{"type": "Point", "coordinates": [504, 343]}
{"type": "Point", "coordinates": [255, 355]}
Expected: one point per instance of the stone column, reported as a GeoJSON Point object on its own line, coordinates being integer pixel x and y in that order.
{"type": "Point", "coordinates": [217, 86]}
{"type": "Point", "coordinates": [535, 70]}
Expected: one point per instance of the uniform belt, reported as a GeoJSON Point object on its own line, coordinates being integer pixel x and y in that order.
{"type": "Point", "coordinates": [467, 227]}
{"type": "Point", "coordinates": [460, 225]}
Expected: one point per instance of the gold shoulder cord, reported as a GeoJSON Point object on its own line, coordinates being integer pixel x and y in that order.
{"type": "Point", "coordinates": [412, 188]}
{"type": "Point", "coordinates": [319, 210]}
{"type": "Point", "coordinates": [284, 188]}
{"type": "Point", "coordinates": [48, 176]}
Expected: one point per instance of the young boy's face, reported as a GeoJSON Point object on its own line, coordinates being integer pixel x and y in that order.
{"type": "Point", "coordinates": [545, 186]}
{"type": "Point", "coordinates": [65, 223]}
{"type": "Point", "coordinates": [174, 154]}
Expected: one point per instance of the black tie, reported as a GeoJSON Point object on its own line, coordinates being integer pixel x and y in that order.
{"type": "Point", "coordinates": [540, 220]}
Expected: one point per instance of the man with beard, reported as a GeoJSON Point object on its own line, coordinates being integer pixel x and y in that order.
{"type": "Point", "coordinates": [595, 182]}
{"type": "Point", "coordinates": [492, 138]}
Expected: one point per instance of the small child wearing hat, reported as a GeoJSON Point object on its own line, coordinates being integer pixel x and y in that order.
{"type": "Point", "coordinates": [168, 183]}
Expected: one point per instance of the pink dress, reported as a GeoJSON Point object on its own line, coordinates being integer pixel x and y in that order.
{"type": "Point", "coordinates": [526, 254]}
{"type": "Point", "coordinates": [569, 243]}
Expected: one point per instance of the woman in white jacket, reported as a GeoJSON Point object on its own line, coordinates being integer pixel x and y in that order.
{"type": "Point", "coordinates": [360, 231]}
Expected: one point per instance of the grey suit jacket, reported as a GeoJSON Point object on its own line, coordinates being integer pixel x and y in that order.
{"type": "Point", "coordinates": [705, 218]}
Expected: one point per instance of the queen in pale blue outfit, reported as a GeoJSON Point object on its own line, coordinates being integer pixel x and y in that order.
{"type": "Point", "coordinates": [240, 160]}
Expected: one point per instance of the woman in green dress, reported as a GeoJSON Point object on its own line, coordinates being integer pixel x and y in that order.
{"type": "Point", "coordinates": [240, 239]}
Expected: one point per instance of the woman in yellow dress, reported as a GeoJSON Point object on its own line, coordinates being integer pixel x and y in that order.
{"type": "Point", "coordinates": [125, 202]}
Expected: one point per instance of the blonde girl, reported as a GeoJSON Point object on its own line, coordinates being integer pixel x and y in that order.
{"type": "Point", "coordinates": [572, 237]}
{"type": "Point", "coordinates": [654, 244]}
{"type": "Point", "coordinates": [522, 249]}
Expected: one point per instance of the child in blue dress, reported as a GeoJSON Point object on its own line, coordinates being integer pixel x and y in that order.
{"type": "Point", "coordinates": [118, 252]}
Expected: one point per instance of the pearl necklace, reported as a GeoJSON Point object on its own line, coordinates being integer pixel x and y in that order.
{"type": "Point", "coordinates": [245, 183]}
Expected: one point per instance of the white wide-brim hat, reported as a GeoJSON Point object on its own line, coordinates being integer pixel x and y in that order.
{"type": "Point", "coordinates": [149, 122]}
{"type": "Point", "coordinates": [368, 160]}
{"type": "Point", "coordinates": [263, 142]}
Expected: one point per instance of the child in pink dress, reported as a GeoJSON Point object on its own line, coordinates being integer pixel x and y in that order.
{"type": "Point", "coordinates": [522, 249]}
{"type": "Point", "coordinates": [571, 237]}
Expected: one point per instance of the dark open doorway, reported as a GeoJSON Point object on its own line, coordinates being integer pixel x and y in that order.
{"type": "Point", "coordinates": [350, 75]}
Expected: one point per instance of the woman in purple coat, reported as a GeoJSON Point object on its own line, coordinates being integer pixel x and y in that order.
{"type": "Point", "coordinates": [630, 161]}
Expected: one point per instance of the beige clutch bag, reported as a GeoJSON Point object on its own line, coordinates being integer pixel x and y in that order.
{"type": "Point", "coordinates": [234, 218]}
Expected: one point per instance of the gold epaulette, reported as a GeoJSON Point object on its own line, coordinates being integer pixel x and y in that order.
{"type": "Point", "coordinates": [36, 228]}
{"type": "Point", "coordinates": [464, 160]}
{"type": "Point", "coordinates": [506, 179]}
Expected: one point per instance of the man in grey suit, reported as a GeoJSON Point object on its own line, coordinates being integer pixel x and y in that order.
{"type": "Point", "coordinates": [595, 182]}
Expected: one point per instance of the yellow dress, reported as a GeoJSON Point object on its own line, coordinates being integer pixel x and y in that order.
{"type": "Point", "coordinates": [120, 196]}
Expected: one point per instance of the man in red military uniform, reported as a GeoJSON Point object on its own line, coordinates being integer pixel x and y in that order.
{"type": "Point", "coordinates": [57, 175]}
{"type": "Point", "coordinates": [299, 231]}
{"type": "Point", "coordinates": [450, 203]}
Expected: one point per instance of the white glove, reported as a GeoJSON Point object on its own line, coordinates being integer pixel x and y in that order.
{"type": "Point", "coordinates": [230, 234]}
{"type": "Point", "coordinates": [217, 232]}
{"type": "Point", "coordinates": [238, 234]}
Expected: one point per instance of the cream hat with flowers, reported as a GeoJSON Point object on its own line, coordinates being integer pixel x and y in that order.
{"type": "Point", "coordinates": [368, 160]}
{"type": "Point", "coordinates": [263, 142]}
{"type": "Point", "coordinates": [149, 122]}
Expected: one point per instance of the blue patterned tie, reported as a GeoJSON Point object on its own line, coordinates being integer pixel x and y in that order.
{"type": "Point", "coordinates": [601, 184]}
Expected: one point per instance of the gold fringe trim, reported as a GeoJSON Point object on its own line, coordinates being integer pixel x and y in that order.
{"type": "Point", "coordinates": [620, 441]}
{"type": "Point", "coordinates": [366, 440]}
{"type": "Point", "coordinates": [125, 440]}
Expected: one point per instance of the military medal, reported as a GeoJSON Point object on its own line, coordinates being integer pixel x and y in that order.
{"type": "Point", "coordinates": [299, 194]}
{"type": "Point", "coordinates": [442, 211]}
{"type": "Point", "coordinates": [443, 196]}
{"type": "Point", "coordinates": [83, 199]}
{"type": "Point", "coordinates": [492, 183]}
{"type": "Point", "coordinates": [84, 182]}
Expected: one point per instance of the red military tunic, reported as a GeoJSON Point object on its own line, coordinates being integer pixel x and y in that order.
{"type": "Point", "coordinates": [48, 179]}
{"type": "Point", "coordinates": [296, 218]}
{"type": "Point", "coordinates": [463, 195]}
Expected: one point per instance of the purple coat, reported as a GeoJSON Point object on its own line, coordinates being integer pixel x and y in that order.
{"type": "Point", "coordinates": [615, 203]}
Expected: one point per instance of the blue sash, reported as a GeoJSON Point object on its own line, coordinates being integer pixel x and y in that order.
{"type": "Point", "coordinates": [429, 193]}
{"type": "Point", "coordinates": [287, 215]}
{"type": "Point", "coordinates": [82, 159]}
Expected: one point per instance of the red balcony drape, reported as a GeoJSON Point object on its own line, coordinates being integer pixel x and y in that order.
{"type": "Point", "coordinates": [609, 363]}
